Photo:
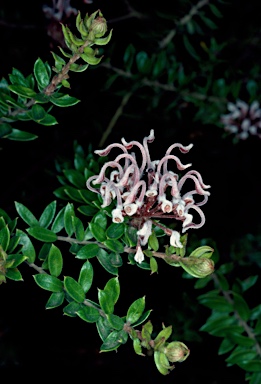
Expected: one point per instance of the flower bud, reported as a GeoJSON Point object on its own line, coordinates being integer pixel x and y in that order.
{"type": "Point", "coordinates": [176, 351]}
{"type": "Point", "coordinates": [99, 26]}
{"type": "Point", "coordinates": [197, 267]}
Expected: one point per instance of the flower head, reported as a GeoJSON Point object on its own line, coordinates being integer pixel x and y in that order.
{"type": "Point", "coordinates": [150, 190]}
{"type": "Point", "coordinates": [243, 119]}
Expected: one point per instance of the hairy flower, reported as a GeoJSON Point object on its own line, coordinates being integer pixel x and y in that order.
{"type": "Point", "coordinates": [150, 191]}
{"type": "Point", "coordinates": [243, 119]}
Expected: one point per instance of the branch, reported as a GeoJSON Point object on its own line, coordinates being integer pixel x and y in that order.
{"type": "Point", "coordinates": [115, 117]}
{"type": "Point", "coordinates": [241, 322]}
{"type": "Point", "coordinates": [183, 21]}
{"type": "Point", "coordinates": [166, 87]}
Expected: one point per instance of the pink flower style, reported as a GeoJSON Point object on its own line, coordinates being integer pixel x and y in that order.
{"type": "Point", "coordinates": [243, 120]}
{"type": "Point", "coordinates": [150, 190]}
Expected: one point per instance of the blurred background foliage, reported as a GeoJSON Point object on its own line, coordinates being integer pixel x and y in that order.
{"type": "Point", "coordinates": [171, 67]}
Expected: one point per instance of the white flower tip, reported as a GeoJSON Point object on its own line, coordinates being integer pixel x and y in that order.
{"type": "Point", "coordinates": [130, 209]}
{"type": "Point", "coordinates": [117, 216]}
{"type": "Point", "coordinates": [166, 206]}
{"type": "Point", "coordinates": [139, 256]}
{"type": "Point", "coordinates": [151, 193]}
{"type": "Point", "coordinates": [175, 240]}
{"type": "Point", "coordinates": [151, 136]}
{"type": "Point", "coordinates": [188, 219]}
{"type": "Point", "coordinates": [99, 152]}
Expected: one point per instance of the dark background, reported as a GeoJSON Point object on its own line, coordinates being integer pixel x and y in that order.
{"type": "Point", "coordinates": [32, 338]}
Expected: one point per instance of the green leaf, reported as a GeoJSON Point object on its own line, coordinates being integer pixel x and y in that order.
{"type": "Point", "coordinates": [78, 67]}
{"type": "Point", "coordinates": [241, 306]}
{"type": "Point", "coordinates": [27, 246]}
{"type": "Point", "coordinates": [37, 113]}
{"type": "Point", "coordinates": [240, 356]}
{"type": "Point", "coordinates": [74, 289]}
{"type": "Point", "coordinates": [223, 331]}
{"type": "Point", "coordinates": [47, 215]}
{"type": "Point", "coordinates": [75, 177]}
{"type": "Point", "coordinates": [115, 230]}
{"type": "Point", "coordinates": [42, 234]}
{"type": "Point", "coordinates": [48, 120]}
{"type": "Point", "coordinates": [123, 336]}
{"type": "Point", "coordinates": [128, 56]}
{"type": "Point", "coordinates": [86, 276]}
{"type": "Point", "coordinates": [215, 302]}
{"type": "Point", "coordinates": [50, 283]}
{"type": "Point", "coordinates": [220, 321]}
{"type": "Point", "coordinates": [256, 312]}
{"type": "Point", "coordinates": [5, 237]}
{"type": "Point", "coordinates": [87, 210]}
{"type": "Point", "coordinates": [18, 135]}
{"type": "Point", "coordinates": [114, 245]}
{"type": "Point", "coordinates": [16, 259]}
{"type": "Point", "coordinates": [88, 251]}
{"type": "Point", "coordinates": [143, 317]}
{"type": "Point", "coordinates": [61, 100]}
{"type": "Point", "coordinates": [58, 223]}
{"type": "Point", "coordinates": [101, 219]}
{"type": "Point", "coordinates": [5, 129]}
{"type": "Point", "coordinates": [89, 314]}
{"type": "Point", "coordinates": [222, 281]}
{"type": "Point", "coordinates": [209, 23]}
{"type": "Point", "coordinates": [115, 321]}
{"type": "Point", "coordinates": [105, 301]}
{"type": "Point", "coordinates": [137, 347]}
{"type": "Point", "coordinates": [105, 261]}
{"type": "Point", "coordinates": [13, 274]}
{"type": "Point", "coordinates": [111, 342]}
{"type": "Point", "coordinates": [153, 242]}
{"type": "Point", "coordinates": [22, 91]}
{"type": "Point", "coordinates": [258, 327]}
{"type": "Point", "coordinates": [55, 300]}
{"type": "Point", "coordinates": [153, 265]}
{"type": "Point", "coordinates": [112, 287]}
{"type": "Point", "coordinates": [215, 10]}
{"type": "Point", "coordinates": [190, 48]}
{"type": "Point", "coordinates": [226, 346]}
{"type": "Point", "coordinates": [55, 261]}
{"type": "Point", "coordinates": [72, 309]}
{"type": "Point", "coordinates": [14, 242]}
{"type": "Point", "coordinates": [41, 74]}
{"type": "Point", "coordinates": [78, 228]}
{"type": "Point", "coordinates": [165, 333]}
{"type": "Point", "coordinates": [135, 310]}
{"type": "Point", "coordinates": [249, 282]}
{"type": "Point", "coordinates": [116, 259]}
{"type": "Point", "coordinates": [143, 62]}
{"type": "Point", "coordinates": [131, 236]}
{"type": "Point", "coordinates": [73, 193]}
{"type": "Point", "coordinates": [244, 341]}
{"type": "Point", "coordinates": [68, 222]}
{"type": "Point", "coordinates": [251, 366]}
{"type": "Point", "coordinates": [26, 215]}
{"type": "Point", "coordinates": [103, 327]}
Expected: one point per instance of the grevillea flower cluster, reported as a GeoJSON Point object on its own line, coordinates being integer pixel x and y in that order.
{"type": "Point", "coordinates": [243, 119]}
{"type": "Point", "coordinates": [150, 191]}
